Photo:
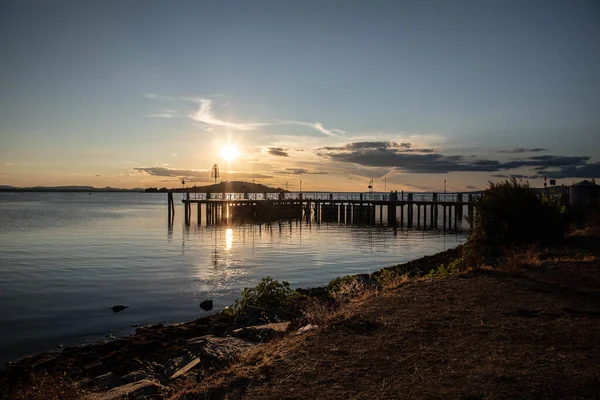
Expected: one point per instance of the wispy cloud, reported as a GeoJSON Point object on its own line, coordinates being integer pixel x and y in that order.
{"type": "Point", "coordinates": [206, 114]}
{"type": "Point", "coordinates": [316, 126]}
{"type": "Point", "coordinates": [165, 114]}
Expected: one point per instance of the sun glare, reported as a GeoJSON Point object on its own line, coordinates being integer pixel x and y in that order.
{"type": "Point", "coordinates": [229, 152]}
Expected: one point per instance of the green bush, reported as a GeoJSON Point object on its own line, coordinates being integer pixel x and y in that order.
{"type": "Point", "coordinates": [339, 283]}
{"type": "Point", "coordinates": [268, 293]}
{"type": "Point", "coordinates": [454, 267]}
{"type": "Point", "coordinates": [510, 213]}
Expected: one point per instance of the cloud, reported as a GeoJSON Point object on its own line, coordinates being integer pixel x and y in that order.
{"type": "Point", "coordinates": [372, 145]}
{"type": "Point", "coordinates": [300, 171]}
{"type": "Point", "coordinates": [471, 187]}
{"type": "Point", "coordinates": [516, 176]}
{"type": "Point", "coordinates": [541, 163]}
{"type": "Point", "coordinates": [197, 176]}
{"type": "Point", "coordinates": [581, 171]}
{"type": "Point", "coordinates": [403, 158]}
{"type": "Point", "coordinates": [205, 114]}
{"type": "Point", "coordinates": [518, 150]}
{"type": "Point", "coordinates": [278, 151]}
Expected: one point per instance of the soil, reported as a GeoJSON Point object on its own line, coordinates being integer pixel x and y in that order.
{"type": "Point", "coordinates": [481, 335]}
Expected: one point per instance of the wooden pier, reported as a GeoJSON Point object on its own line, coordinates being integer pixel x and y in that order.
{"type": "Point", "coordinates": [350, 208]}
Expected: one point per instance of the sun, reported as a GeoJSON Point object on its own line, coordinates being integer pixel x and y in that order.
{"type": "Point", "coordinates": [229, 152]}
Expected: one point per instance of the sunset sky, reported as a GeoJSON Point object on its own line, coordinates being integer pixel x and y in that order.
{"type": "Point", "coordinates": [332, 93]}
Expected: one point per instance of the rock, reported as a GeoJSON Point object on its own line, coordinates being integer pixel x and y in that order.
{"type": "Point", "coordinates": [217, 329]}
{"type": "Point", "coordinates": [185, 369]}
{"type": "Point", "coordinates": [206, 305]}
{"type": "Point", "coordinates": [261, 333]}
{"type": "Point", "coordinates": [172, 365]}
{"type": "Point", "coordinates": [248, 319]}
{"type": "Point", "coordinates": [280, 314]}
{"type": "Point", "coordinates": [107, 381]}
{"type": "Point", "coordinates": [307, 328]}
{"type": "Point", "coordinates": [131, 390]}
{"type": "Point", "coordinates": [217, 352]}
{"type": "Point", "coordinates": [135, 376]}
{"type": "Point", "coordinates": [118, 308]}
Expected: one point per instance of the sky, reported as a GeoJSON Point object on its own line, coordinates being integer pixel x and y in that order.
{"type": "Point", "coordinates": [327, 93]}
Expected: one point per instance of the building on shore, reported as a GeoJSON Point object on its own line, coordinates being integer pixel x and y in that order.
{"type": "Point", "coordinates": [585, 193]}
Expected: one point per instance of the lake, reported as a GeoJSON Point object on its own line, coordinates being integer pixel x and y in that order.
{"type": "Point", "coordinates": [66, 258]}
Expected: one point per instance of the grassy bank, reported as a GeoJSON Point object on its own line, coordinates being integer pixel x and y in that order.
{"type": "Point", "coordinates": [529, 332]}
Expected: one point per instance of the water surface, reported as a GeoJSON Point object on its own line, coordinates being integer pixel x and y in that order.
{"type": "Point", "coordinates": [66, 258]}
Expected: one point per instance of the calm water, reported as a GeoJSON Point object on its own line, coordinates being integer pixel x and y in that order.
{"type": "Point", "coordinates": [66, 258]}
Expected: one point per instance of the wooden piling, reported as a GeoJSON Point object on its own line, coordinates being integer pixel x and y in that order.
{"type": "Point", "coordinates": [444, 217]}
{"type": "Point", "coordinates": [401, 216]}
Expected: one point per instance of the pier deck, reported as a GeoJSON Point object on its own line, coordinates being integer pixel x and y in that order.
{"type": "Point", "coordinates": [437, 211]}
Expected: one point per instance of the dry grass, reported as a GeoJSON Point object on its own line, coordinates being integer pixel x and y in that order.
{"type": "Point", "coordinates": [482, 334]}
{"type": "Point", "coordinates": [518, 259]}
{"type": "Point", "coordinates": [45, 387]}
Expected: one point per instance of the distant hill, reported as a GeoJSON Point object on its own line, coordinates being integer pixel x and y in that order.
{"type": "Point", "coordinates": [223, 187]}
{"type": "Point", "coordinates": [66, 189]}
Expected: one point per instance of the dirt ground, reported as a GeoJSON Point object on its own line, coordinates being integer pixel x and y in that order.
{"type": "Point", "coordinates": [486, 334]}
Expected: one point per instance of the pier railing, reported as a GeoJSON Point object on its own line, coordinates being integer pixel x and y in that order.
{"type": "Point", "coordinates": [438, 197]}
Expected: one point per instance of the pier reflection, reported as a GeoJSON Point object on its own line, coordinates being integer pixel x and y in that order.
{"type": "Point", "coordinates": [452, 216]}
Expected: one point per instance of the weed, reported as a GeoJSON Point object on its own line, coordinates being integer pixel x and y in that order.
{"type": "Point", "coordinates": [453, 268]}
{"type": "Point", "coordinates": [268, 293]}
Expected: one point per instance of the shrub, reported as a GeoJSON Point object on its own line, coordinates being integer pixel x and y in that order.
{"type": "Point", "coordinates": [340, 283]}
{"type": "Point", "coordinates": [454, 267]}
{"type": "Point", "coordinates": [268, 293]}
{"type": "Point", "coordinates": [510, 213]}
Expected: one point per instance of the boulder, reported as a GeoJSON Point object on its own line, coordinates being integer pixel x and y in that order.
{"type": "Point", "coordinates": [217, 352]}
{"type": "Point", "coordinates": [206, 305]}
{"type": "Point", "coordinates": [261, 333]}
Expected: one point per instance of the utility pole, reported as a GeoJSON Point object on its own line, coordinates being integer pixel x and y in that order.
{"type": "Point", "coordinates": [300, 186]}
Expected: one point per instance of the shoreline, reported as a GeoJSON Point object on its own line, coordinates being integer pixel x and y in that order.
{"type": "Point", "coordinates": [409, 267]}
{"type": "Point", "coordinates": [158, 342]}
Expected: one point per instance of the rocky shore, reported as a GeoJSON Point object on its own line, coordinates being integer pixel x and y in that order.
{"type": "Point", "coordinates": [150, 362]}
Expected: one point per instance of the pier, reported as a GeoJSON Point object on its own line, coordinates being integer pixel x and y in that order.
{"type": "Point", "coordinates": [411, 210]}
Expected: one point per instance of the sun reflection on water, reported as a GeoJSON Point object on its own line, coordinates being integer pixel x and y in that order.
{"type": "Point", "coordinates": [228, 239]}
